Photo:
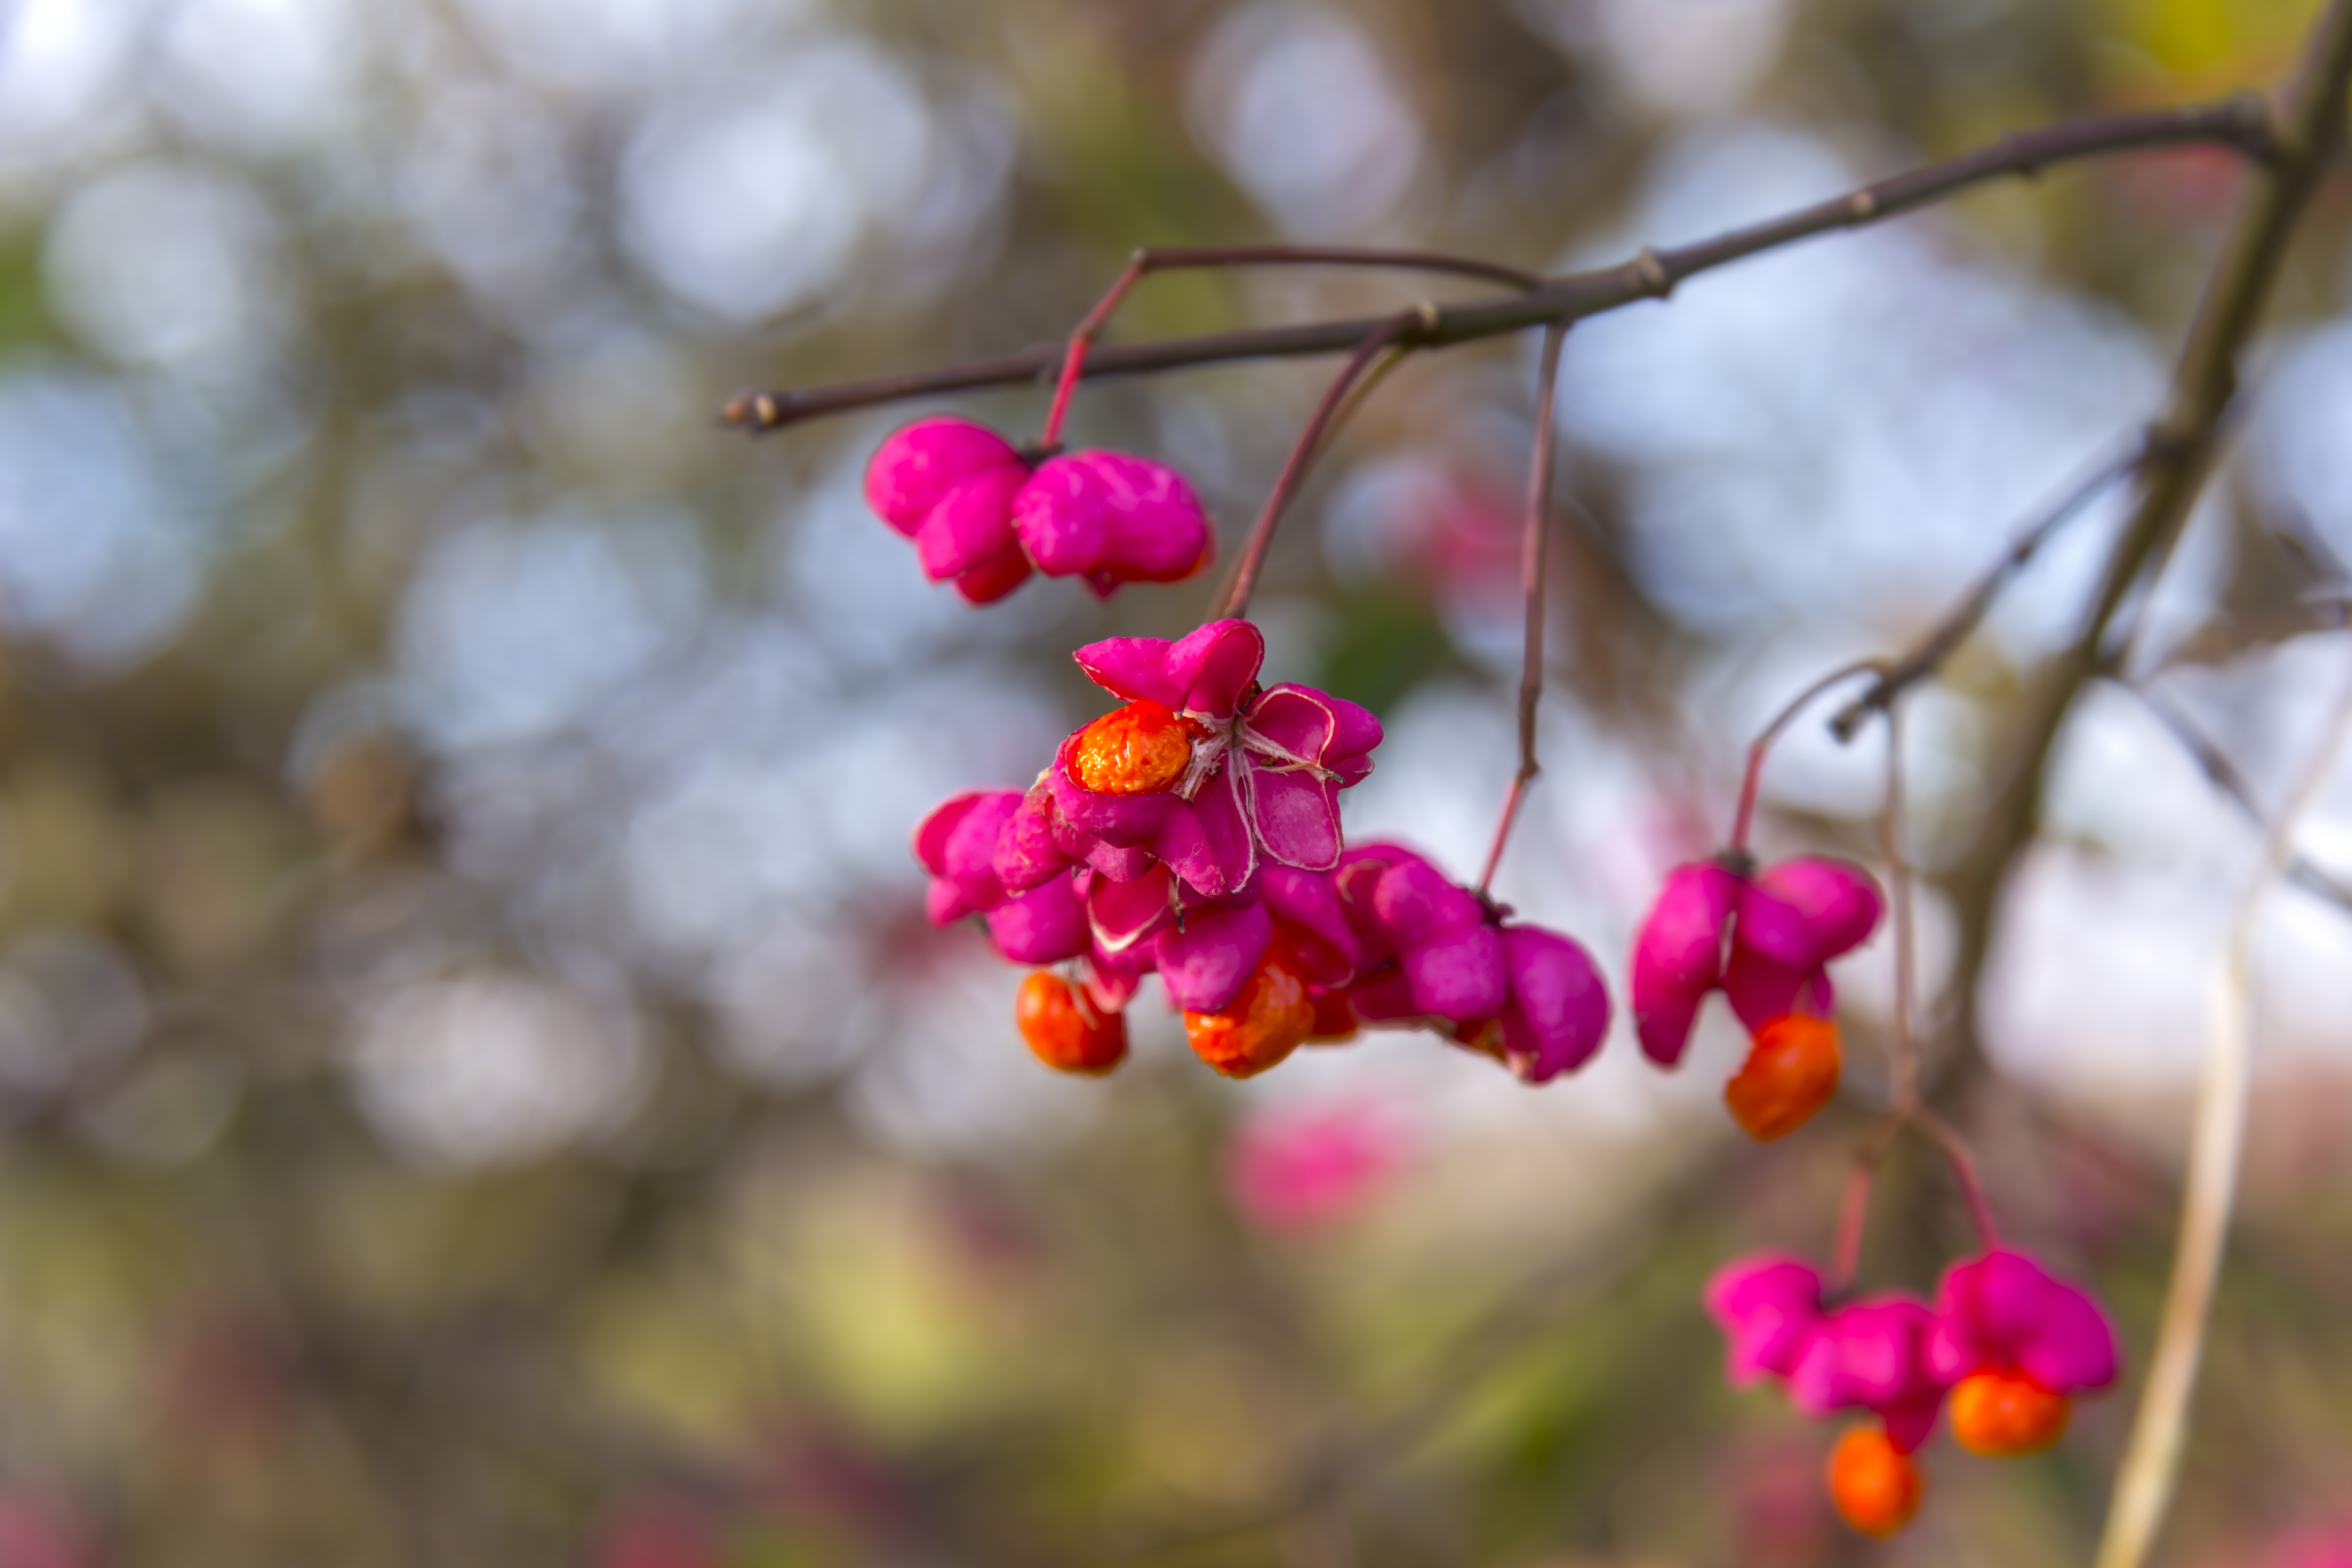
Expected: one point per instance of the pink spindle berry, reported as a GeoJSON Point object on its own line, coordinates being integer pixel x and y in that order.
{"type": "Point", "coordinates": [2005, 1312]}
{"type": "Point", "coordinates": [957, 844]}
{"type": "Point", "coordinates": [1435, 951]}
{"type": "Point", "coordinates": [1765, 941]}
{"type": "Point", "coordinates": [1110, 518]}
{"type": "Point", "coordinates": [949, 485]}
{"type": "Point", "coordinates": [1871, 1354]}
{"type": "Point", "coordinates": [983, 517]}
{"type": "Point", "coordinates": [1264, 770]}
{"type": "Point", "coordinates": [1768, 1308]}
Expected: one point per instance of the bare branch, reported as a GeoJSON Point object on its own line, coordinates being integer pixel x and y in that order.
{"type": "Point", "coordinates": [2241, 122]}
{"type": "Point", "coordinates": [1176, 258]}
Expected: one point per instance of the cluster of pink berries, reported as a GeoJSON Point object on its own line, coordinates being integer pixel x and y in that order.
{"type": "Point", "coordinates": [2006, 1342]}
{"type": "Point", "coordinates": [1765, 940]}
{"type": "Point", "coordinates": [984, 514]}
{"type": "Point", "coordinates": [1193, 831]}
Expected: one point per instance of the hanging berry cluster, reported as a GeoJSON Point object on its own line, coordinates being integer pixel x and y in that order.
{"type": "Point", "coordinates": [2006, 1342]}
{"type": "Point", "coordinates": [1193, 831]}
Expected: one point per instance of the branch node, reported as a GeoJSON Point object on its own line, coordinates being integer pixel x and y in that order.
{"type": "Point", "coordinates": [752, 410]}
{"type": "Point", "coordinates": [1650, 270]}
{"type": "Point", "coordinates": [1863, 204]}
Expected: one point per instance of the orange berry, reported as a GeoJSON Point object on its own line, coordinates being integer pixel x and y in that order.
{"type": "Point", "coordinates": [2002, 1414]}
{"type": "Point", "coordinates": [1335, 1020]}
{"type": "Point", "coordinates": [1484, 1036]}
{"type": "Point", "coordinates": [1134, 750]}
{"type": "Point", "coordinates": [1874, 1484]}
{"type": "Point", "coordinates": [1790, 1072]}
{"type": "Point", "coordinates": [1065, 1029]}
{"type": "Point", "coordinates": [1266, 1022]}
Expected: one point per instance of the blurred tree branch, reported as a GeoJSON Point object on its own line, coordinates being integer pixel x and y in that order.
{"type": "Point", "coordinates": [2226, 777]}
{"type": "Point", "coordinates": [2182, 444]}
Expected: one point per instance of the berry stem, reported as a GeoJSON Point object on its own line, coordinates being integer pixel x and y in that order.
{"type": "Point", "coordinates": [1531, 570]}
{"type": "Point", "coordinates": [1905, 1061]}
{"type": "Point", "coordinates": [1964, 1173]}
{"type": "Point", "coordinates": [1758, 748]}
{"type": "Point", "coordinates": [1853, 1211]}
{"type": "Point", "coordinates": [1234, 601]}
{"type": "Point", "coordinates": [1145, 262]}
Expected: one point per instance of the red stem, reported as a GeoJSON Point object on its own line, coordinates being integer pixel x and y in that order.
{"type": "Point", "coordinates": [1853, 1211]}
{"type": "Point", "coordinates": [1176, 258]}
{"type": "Point", "coordinates": [1531, 570]}
{"type": "Point", "coordinates": [1906, 1062]}
{"type": "Point", "coordinates": [1762, 744]}
{"type": "Point", "coordinates": [1964, 1172]}
{"type": "Point", "coordinates": [1234, 602]}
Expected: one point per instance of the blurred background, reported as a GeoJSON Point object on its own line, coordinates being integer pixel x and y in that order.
{"type": "Point", "coordinates": [476, 1083]}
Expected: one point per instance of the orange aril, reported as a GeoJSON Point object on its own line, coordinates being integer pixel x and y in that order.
{"type": "Point", "coordinates": [1790, 1072]}
{"type": "Point", "coordinates": [1065, 1029]}
{"type": "Point", "coordinates": [1335, 1020]}
{"type": "Point", "coordinates": [1135, 750]}
{"type": "Point", "coordinates": [2001, 1414]}
{"type": "Point", "coordinates": [1874, 1484]}
{"type": "Point", "coordinates": [1264, 1024]}
{"type": "Point", "coordinates": [1484, 1036]}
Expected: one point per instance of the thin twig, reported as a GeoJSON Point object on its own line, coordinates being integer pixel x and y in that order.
{"type": "Point", "coordinates": [1234, 601]}
{"type": "Point", "coordinates": [1744, 817]}
{"type": "Point", "coordinates": [1950, 632]}
{"type": "Point", "coordinates": [1532, 572]}
{"type": "Point", "coordinates": [2215, 766]}
{"type": "Point", "coordinates": [2241, 122]}
{"type": "Point", "coordinates": [1905, 1056]}
{"type": "Point", "coordinates": [1173, 258]}
{"type": "Point", "coordinates": [2152, 1457]}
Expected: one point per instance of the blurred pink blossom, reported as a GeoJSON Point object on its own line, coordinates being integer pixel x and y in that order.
{"type": "Point", "coordinates": [1292, 1170]}
{"type": "Point", "coordinates": [36, 1535]}
{"type": "Point", "coordinates": [656, 1532]}
{"type": "Point", "coordinates": [2324, 1546]}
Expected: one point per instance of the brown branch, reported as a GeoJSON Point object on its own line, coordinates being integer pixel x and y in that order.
{"type": "Point", "coordinates": [2241, 122]}
{"type": "Point", "coordinates": [2182, 444]}
{"type": "Point", "coordinates": [1149, 260]}
{"type": "Point", "coordinates": [1531, 568]}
